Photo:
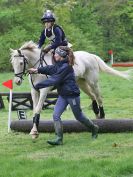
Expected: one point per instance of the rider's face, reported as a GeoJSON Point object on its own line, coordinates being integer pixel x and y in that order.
{"type": "Point", "coordinates": [57, 57]}
{"type": "Point", "coordinates": [48, 25]}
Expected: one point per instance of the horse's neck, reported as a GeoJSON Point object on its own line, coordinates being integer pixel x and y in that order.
{"type": "Point", "coordinates": [34, 58]}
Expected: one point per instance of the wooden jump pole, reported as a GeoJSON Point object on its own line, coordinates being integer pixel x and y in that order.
{"type": "Point", "coordinates": [105, 125]}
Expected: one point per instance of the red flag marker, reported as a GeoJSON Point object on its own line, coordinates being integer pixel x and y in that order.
{"type": "Point", "coordinates": [110, 52]}
{"type": "Point", "coordinates": [8, 84]}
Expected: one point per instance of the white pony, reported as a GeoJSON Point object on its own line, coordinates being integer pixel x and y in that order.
{"type": "Point", "coordinates": [86, 68]}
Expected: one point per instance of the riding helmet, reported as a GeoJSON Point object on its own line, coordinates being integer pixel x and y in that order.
{"type": "Point", "coordinates": [48, 16]}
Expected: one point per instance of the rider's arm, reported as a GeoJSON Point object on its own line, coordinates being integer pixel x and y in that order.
{"type": "Point", "coordinates": [55, 79]}
{"type": "Point", "coordinates": [48, 70]}
{"type": "Point", "coordinates": [42, 39]}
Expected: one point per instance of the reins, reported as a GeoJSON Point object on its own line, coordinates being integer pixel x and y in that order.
{"type": "Point", "coordinates": [42, 59]}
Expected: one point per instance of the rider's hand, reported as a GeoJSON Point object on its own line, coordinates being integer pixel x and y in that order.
{"type": "Point", "coordinates": [47, 49]}
{"type": "Point", "coordinates": [32, 70]}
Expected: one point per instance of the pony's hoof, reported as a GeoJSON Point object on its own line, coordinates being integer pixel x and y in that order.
{"type": "Point", "coordinates": [97, 116]}
{"type": "Point", "coordinates": [34, 134]}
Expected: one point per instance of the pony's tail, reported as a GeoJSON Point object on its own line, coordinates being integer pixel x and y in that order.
{"type": "Point", "coordinates": [105, 68]}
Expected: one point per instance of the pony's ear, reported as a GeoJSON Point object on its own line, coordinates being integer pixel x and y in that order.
{"type": "Point", "coordinates": [11, 50]}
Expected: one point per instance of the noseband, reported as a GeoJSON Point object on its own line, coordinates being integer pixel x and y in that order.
{"type": "Point", "coordinates": [21, 74]}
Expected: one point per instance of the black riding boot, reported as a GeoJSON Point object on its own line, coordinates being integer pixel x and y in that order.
{"type": "Point", "coordinates": [59, 134]}
{"type": "Point", "coordinates": [91, 126]}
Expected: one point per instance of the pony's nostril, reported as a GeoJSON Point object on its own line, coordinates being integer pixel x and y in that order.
{"type": "Point", "coordinates": [19, 82]}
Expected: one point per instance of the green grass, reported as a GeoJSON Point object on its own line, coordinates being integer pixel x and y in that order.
{"type": "Point", "coordinates": [111, 155]}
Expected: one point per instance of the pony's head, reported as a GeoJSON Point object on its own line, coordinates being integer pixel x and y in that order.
{"type": "Point", "coordinates": [20, 60]}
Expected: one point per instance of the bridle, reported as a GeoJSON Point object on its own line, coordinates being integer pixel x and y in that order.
{"type": "Point", "coordinates": [21, 74]}
{"type": "Point", "coordinates": [24, 72]}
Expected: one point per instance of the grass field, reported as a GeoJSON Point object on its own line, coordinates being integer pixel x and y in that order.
{"type": "Point", "coordinates": [111, 155]}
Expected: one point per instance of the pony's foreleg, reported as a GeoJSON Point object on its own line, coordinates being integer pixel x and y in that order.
{"type": "Point", "coordinates": [86, 89]}
{"type": "Point", "coordinates": [35, 97]}
{"type": "Point", "coordinates": [37, 110]}
{"type": "Point", "coordinates": [42, 98]}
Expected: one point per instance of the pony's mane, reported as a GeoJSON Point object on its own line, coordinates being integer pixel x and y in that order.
{"type": "Point", "coordinates": [30, 45]}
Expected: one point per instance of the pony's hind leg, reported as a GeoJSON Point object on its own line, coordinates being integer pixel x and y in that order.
{"type": "Point", "coordinates": [93, 83]}
{"type": "Point", "coordinates": [86, 89]}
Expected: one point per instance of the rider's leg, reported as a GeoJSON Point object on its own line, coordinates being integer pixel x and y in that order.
{"type": "Point", "coordinates": [60, 106]}
{"type": "Point", "coordinates": [75, 106]}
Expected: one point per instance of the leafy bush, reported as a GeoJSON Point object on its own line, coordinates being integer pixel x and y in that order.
{"type": "Point", "coordinates": [93, 26]}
